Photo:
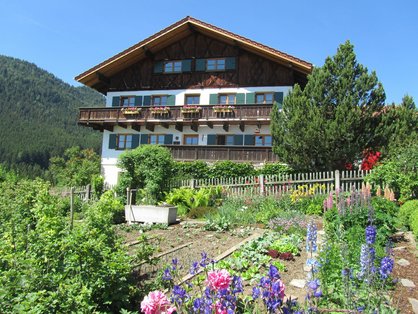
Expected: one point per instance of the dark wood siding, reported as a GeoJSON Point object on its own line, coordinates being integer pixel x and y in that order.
{"type": "Point", "coordinates": [250, 69]}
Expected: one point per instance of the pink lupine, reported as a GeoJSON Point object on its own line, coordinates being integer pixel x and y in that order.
{"type": "Point", "coordinates": [156, 303]}
{"type": "Point", "coordinates": [218, 279]}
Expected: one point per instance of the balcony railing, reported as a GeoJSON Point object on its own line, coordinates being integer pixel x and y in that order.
{"type": "Point", "coordinates": [217, 152]}
{"type": "Point", "coordinates": [115, 115]}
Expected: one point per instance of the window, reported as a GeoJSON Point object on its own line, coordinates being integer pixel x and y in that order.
{"type": "Point", "coordinates": [263, 140]}
{"type": "Point", "coordinates": [172, 66]}
{"type": "Point", "coordinates": [156, 139]}
{"type": "Point", "coordinates": [191, 139]}
{"type": "Point", "coordinates": [264, 98]}
{"type": "Point", "coordinates": [124, 141]}
{"type": "Point", "coordinates": [192, 99]}
{"type": "Point", "coordinates": [228, 99]}
{"type": "Point", "coordinates": [225, 140]}
{"type": "Point", "coordinates": [215, 64]}
{"type": "Point", "coordinates": [127, 101]}
{"type": "Point", "coordinates": [159, 101]}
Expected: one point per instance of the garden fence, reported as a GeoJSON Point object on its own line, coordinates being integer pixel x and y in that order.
{"type": "Point", "coordinates": [319, 182]}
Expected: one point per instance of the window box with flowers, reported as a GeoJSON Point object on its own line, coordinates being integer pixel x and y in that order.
{"type": "Point", "coordinates": [223, 108]}
{"type": "Point", "coordinates": [131, 110]}
{"type": "Point", "coordinates": [160, 110]}
{"type": "Point", "coordinates": [190, 109]}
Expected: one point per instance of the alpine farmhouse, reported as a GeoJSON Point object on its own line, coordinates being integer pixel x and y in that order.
{"type": "Point", "coordinates": [202, 91]}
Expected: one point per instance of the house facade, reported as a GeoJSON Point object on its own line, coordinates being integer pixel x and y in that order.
{"type": "Point", "coordinates": [203, 92]}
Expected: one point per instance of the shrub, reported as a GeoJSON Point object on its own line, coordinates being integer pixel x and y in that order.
{"type": "Point", "coordinates": [414, 223]}
{"type": "Point", "coordinates": [191, 169]}
{"type": "Point", "coordinates": [406, 212]}
{"type": "Point", "coordinates": [230, 169]}
{"type": "Point", "coordinates": [275, 169]}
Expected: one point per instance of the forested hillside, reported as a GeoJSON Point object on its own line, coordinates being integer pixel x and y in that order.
{"type": "Point", "coordinates": [38, 116]}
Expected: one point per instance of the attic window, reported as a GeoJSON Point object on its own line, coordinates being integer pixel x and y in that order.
{"type": "Point", "coordinates": [215, 64]}
{"type": "Point", "coordinates": [172, 66]}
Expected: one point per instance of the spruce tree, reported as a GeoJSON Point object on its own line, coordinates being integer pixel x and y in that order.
{"type": "Point", "coordinates": [334, 118]}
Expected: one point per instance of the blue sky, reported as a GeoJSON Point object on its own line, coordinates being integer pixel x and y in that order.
{"type": "Point", "coordinates": [68, 37]}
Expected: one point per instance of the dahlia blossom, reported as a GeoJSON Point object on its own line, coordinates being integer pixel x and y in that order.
{"type": "Point", "coordinates": [156, 303]}
{"type": "Point", "coordinates": [218, 279]}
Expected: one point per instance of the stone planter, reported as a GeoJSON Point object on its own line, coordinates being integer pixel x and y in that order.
{"type": "Point", "coordinates": [151, 214]}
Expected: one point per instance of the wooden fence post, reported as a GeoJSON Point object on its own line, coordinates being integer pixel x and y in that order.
{"type": "Point", "coordinates": [88, 192]}
{"type": "Point", "coordinates": [337, 180]}
{"type": "Point", "coordinates": [261, 182]}
{"type": "Point", "coordinates": [128, 196]}
{"type": "Point", "coordinates": [71, 208]}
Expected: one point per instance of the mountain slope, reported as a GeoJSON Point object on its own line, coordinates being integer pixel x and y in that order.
{"type": "Point", "coordinates": [38, 115]}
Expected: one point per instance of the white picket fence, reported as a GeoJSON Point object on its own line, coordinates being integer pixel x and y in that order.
{"type": "Point", "coordinates": [323, 182]}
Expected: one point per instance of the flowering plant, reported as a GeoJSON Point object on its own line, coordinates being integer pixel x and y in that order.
{"type": "Point", "coordinates": [191, 109]}
{"type": "Point", "coordinates": [223, 108]}
{"type": "Point", "coordinates": [131, 110]}
{"type": "Point", "coordinates": [160, 110]}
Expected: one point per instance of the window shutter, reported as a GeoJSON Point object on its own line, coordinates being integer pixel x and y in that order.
{"type": "Point", "coordinates": [144, 138]}
{"type": "Point", "coordinates": [112, 141]}
{"type": "Point", "coordinates": [238, 139]}
{"type": "Point", "coordinates": [230, 63]}
{"type": "Point", "coordinates": [278, 98]}
{"type": "Point", "coordinates": [135, 140]}
{"type": "Point", "coordinates": [211, 139]}
{"type": "Point", "coordinates": [147, 101]}
{"type": "Point", "coordinates": [249, 139]}
{"type": "Point", "coordinates": [200, 64]}
{"type": "Point", "coordinates": [138, 101]}
{"type": "Point", "coordinates": [186, 65]}
{"type": "Point", "coordinates": [250, 98]}
{"type": "Point", "coordinates": [168, 139]}
{"type": "Point", "coordinates": [116, 101]}
{"type": "Point", "coordinates": [158, 67]}
{"type": "Point", "coordinates": [213, 99]}
{"type": "Point", "coordinates": [171, 100]}
{"type": "Point", "coordinates": [240, 99]}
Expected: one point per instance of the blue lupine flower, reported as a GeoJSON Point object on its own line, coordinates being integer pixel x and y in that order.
{"type": "Point", "coordinates": [256, 293]}
{"type": "Point", "coordinates": [167, 274]}
{"type": "Point", "coordinates": [367, 255]}
{"type": "Point", "coordinates": [205, 260]}
{"type": "Point", "coordinates": [194, 268]}
{"type": "Point", "coordinates": [274, 272]}
{"type": "Point", "coordinates": [236, 284]}
{"type": "Point", "coordinates": [386, 267]}
{"type": "Point", "coordinates": [179, 295]}
{"type": "Point", "coordinates": [311, 237]}
{"type": "Point", "coordinates": [370, 234]}
{"type": "Point", "coordinates": [174, 263]}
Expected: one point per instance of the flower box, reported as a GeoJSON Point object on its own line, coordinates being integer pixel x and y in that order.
{"type": "Point", "coordinates": [222, 108]}
{"type": "Point", "coordinates": [191, 109]}
{"type": "Point", "coordinates": [131, 111]}
{"type": "Point", "coordinates": [151, 214]}
{"type": "Point", "coordinates": [160, 110]}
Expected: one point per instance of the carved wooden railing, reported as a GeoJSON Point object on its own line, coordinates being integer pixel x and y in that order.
{"type": "Point", "coordinates": [174, 113]}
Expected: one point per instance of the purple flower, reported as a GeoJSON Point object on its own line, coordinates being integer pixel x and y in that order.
{"type": "Point", "coordinates": [256, 293]}
{"type": "Point", "coordinates": [167, 274]}
{"type": "Point", "coordinates": [205, 260]}
{"type": "Point", "coordinates": [194, 268]}
{"type": "Point", "coordinates": [179, 295]}
{"type": "Point", "coordinates": [311, 237]}
{"type": "Point", "coordinates": [367, 255]}
{"type": "Point", "coordinates": [386, 267]}
{"type": "Point", "coordinates": [370, 234]}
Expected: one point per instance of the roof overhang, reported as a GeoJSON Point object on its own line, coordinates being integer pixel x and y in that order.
{"type": "Point", "coordinates": [175, 32]}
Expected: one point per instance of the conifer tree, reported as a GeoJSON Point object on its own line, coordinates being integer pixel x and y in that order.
{"type": "Point", "coordinates": [334, 118]}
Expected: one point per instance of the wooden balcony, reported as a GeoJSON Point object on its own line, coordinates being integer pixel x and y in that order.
{"type": "Point", "coordinates": [252, 154]}
{"type": "Point", "coordinates": [107, 117]}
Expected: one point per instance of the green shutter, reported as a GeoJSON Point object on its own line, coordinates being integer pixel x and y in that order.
{"type": "Point", "coordinates": [138, 101]}
{"type": "Point", "coordinates": [200, 64]}
{"type": "Point", "coordinates": [158, 67]}
{"type": "Point", "coordinates": [171, 100]}
{"type": "Point", "coordinates": [213, 99]}
{"type": "Point", "coordinates": [186, 65]}
{"type": "Point", "coordinates": [240, 99]}
{"type": "Point", "coordinates": [112, 141]}
{"type": "Point", "coordinates": [116, 101]}
{"type": "Point", "coordinates": [238, 139]}
{"type": "Point", "coordinates": [278, 98]}
{"type": "Point", "coordinates": [230, 63]}
{"type": "Point", "coordinates": [147, 101]}
{"type": "Point", "coordinates": [168, 139]}
{"type": "Point", "coordinates": [250, 99]}
{"type": "Point", "coordinates": [144, 138]}
{"type": "Point", "coordinates": [211, 139]}
{"type": "Point", "coordinates": [249, 139]}
{"type": "Point", "coordinates": [135, 140]}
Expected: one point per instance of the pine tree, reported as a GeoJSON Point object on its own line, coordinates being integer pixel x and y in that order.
{"type": "Point", "coordinates": [333, 119]}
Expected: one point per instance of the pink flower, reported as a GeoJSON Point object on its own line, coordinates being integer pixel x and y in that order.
{"type": "Point", "coordinates": [156, 303]}
{"type": "Point", "coordinates": [218, 279]}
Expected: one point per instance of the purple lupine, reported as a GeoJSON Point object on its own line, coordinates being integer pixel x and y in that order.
{"type": "Point", "coordinates": [167, 274]}
{"type": "Point", "coordinates": [370, 235]}
{"type": "Point", "coordinates": [386, 267]}
{"type": "Point", "coordinates": [194, 268]}
{"type": "Point", "coordinates": [311, 236]}
{"type": "Point", "coordinates": [271, 289]}
{"type": "Point", "coordinates": [205, 260]}
{"type": "Point", "coordinates": [179, 295]}
{"type": "Point", "coordinates": [367, 255]}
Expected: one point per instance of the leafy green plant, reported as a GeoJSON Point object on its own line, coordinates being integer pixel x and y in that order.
{"type": "Point", "coordinates": [230, 169]}
{"type": "Point", "coordinates": [289, 243]}
{"type": "Point", "coordinates": [219, 224]}
{"type": "Point", "coordinates": [406, 212]}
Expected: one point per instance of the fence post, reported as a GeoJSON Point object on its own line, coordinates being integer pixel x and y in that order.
{"type": "Point", "coordinates": [337, 180]}
{"type": "Point", "coordinates": [192, 183]}
{"type": "Point", "coordinates": [71, 208]}
{"type": "Point", "coordinates": [261, 182]}
{"type": "Point", "coordinates": [88, 192]}
{"type": "Point", "coordinates": [128, 196]}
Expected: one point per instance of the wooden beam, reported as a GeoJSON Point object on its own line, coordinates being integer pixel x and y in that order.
{"type": "Point", "coordinates": [195, 127]}
{"type": "Point", "coordinates": [179, 127]}
{"type": "Point", "coordinates": [242, 126]}
{"type": "Point", "coordinates": [103, 79]}
{"type": "Point", "coordinates": [165, 125]}
{"type": "Point", "coordinates": [210, 124]}
{"type": "Point", "coordinates": [136, 127]}
{"type": "Point", "coordinates": [108, 127]}
{"type": "Point", "coordinates": [123, 125]}
{"type": "Point", "coordinates": [148, 53]}
{"type": "Point", "coordinates": [226, 127]}
{"type": "Point", "coordinates": [149, 127]}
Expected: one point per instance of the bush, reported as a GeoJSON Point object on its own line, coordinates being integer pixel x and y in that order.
{"type": "Point", "coordinates": [230, 169]}
{"type": "Point", "coordinates": [414, 223]}
{"type": "Point", "coordinates": [191, 170]}
{"type": "Point", "coordinates": [406, 212]}
{"type": "Point", "coordinates": [275, 169]}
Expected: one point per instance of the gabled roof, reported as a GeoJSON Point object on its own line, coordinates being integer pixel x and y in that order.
{"type": "Point", "coordinates": [176, 32]}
